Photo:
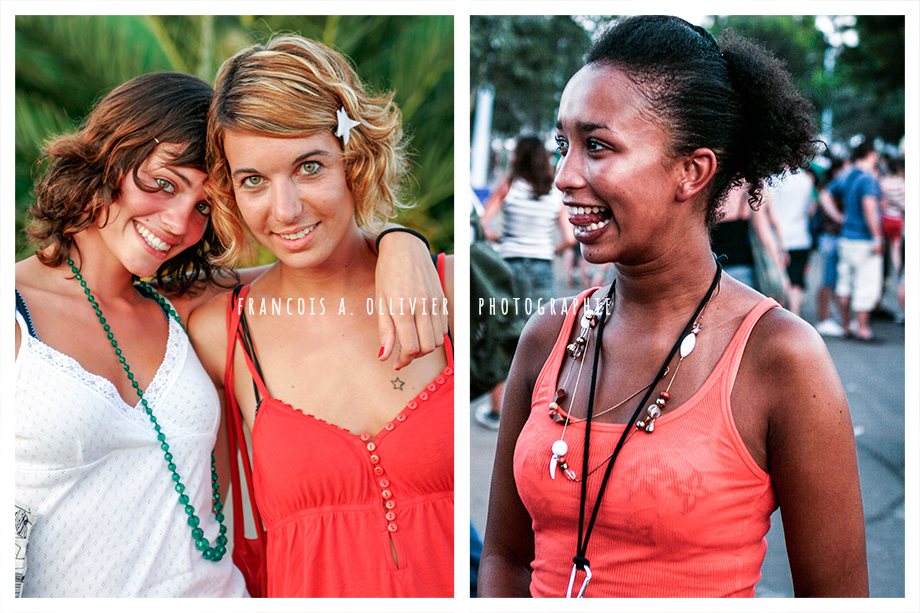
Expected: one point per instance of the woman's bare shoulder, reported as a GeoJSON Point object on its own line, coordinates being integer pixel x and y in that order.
{"type": "Point", "coordinates": [207, 327]}
{"type": "Point", "coordinates": [789, 367]}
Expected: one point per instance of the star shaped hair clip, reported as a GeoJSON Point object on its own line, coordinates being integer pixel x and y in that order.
{"type": "Point", "coordinates": [346, 123]}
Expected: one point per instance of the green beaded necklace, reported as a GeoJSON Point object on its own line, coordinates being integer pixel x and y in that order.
{"type": "Point", "coordinates": [201, 543]}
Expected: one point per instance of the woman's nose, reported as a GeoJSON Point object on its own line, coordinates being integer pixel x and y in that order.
{"type": "Point", "coordinates": [569, 172]}
{"type": "Point", "coordinates": [176, 219]}
{"type": "Point", "coordinates": [286, 205]}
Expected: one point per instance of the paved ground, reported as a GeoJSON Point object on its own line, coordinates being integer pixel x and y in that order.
{"type": "Point", "coordinates": [873, 377]}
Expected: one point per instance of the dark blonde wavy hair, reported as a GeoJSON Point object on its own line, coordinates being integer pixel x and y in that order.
{"type": "Point", "coordinates": [81, 173]}
{"type": "Point", "coordinates": [289, 87]}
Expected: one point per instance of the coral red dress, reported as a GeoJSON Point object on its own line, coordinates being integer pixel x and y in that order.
{"type": "Point", "coordinates": [337, 505]}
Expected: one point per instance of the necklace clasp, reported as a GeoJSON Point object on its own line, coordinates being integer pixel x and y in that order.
{"type": "Point", "coordinates": [584, 584]}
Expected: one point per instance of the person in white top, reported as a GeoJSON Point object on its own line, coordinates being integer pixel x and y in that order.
{"type": "Point", "coordinates": [794, 202]}
{"type": "Point", "coordinates": [116, 419]}
{"type": "Point", "coordinates": [532, 212]}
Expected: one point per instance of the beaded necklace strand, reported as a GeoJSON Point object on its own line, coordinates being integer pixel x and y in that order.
{"type": "Point", "coordinates": [215, 553]}
{"type": "Point", "coordinates": [580, 561]}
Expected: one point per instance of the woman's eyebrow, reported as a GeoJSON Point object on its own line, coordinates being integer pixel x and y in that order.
{"type": "Point", "coordinates": [303, 158]}
{"type": "Point", "coordinates": [297, 161]}
{"type": "Point", "coordinates": [180, 175]}
{"type": "Point", "coordinates": [585, 126]}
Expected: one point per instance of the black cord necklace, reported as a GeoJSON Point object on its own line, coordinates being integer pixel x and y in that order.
{"type": "Point", "coordinates": [580, 561]}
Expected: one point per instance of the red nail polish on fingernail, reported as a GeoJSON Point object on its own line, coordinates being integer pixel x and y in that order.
{"type": "Point", "coordinates": [381, 352]}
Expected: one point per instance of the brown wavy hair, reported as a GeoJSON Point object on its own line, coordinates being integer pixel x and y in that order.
{"type": "Point", "coordinates": [531, 163]}
{"type": "Point", "coordinates": [292, 86]}
{"type": "Point", "coordinates": [81, 173]}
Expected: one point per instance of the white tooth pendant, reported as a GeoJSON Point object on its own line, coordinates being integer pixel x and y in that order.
{"type": "Point", "coordinates": [559, 450]}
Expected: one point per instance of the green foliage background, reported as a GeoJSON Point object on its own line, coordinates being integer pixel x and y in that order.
{"type": "Point", "coordinates": [64, 64]}
{"type": "Point", "coordinates": [528, 59]}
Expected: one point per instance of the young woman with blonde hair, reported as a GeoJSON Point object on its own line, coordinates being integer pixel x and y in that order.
{"type": "Point", "coordinates": [352, 460]}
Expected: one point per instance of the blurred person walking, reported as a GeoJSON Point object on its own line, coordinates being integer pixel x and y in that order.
{"type": "Point", "coordinates": [830, 220]}
{"type": "Point", "coordinates": [793, 202]}
{"type": "Point", "coordinates": [743, 235]}
{"type": "Point", "coordinates": [892, 186]}
{"type": "Point", "coordinates": [860, 248]}
{"type": "Point", "coordinates": [531, 213]}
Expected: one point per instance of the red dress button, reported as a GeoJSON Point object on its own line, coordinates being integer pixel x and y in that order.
{"type": "Point", "coordinates": [387, 494]}
{"type": "Point", "coordinates": [366, 436]}
{"type": "Point", "coordinates": [391, 527]}
{"type": "Point", "coordinates": [389, 426]}
{"type": "Point", "coordinates": [412, 404]}
{"type": "Point", "coordinates": [423, 396]}
{"type": "Point", "coordinates": [375, 459]}
{"type": "Point", "coordinates": [384, 483]}
{"type": "Point", "coordinates": [432, 387]}
{"type": "Point", "coordinates": [401, 417]}
{"type": "Point", "coordinates": [378, 470]}
{"type": "Point", "coordinates": [440, 380]}
{"type": "Point", "coordinates": [371, 446]}
{"type": "Point", "coordinates": [448, 371]}
{"type": "Point", "coordinates": [390, 515]}
{"type": "Point", "coordinates": [390, 504]}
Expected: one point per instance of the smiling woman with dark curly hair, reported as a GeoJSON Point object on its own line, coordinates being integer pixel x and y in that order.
{"type": "Point", "coordinates": [648, 435]}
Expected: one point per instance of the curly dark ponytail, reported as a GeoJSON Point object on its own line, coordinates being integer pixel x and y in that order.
{"type": "Point", "coordinates": [732, 96]}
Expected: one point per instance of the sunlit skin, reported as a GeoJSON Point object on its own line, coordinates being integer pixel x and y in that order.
{"type": "Point", "coordinates": [108, 254]}
{"type": "Point", "coordinates": [288, 187]}
{"type": "Point", "coordinates": [295, 199]}
{"type": "Point", "coordinates": [176, 214]}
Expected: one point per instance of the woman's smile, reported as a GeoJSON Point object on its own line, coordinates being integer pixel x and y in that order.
{"type": "Point", "coordinates": [292, 194]}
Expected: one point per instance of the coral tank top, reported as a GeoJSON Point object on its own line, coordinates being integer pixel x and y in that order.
{"type": "Point", "coordinates": [337, 504]}
{"type": "Point", "coordinates": [686, 511]}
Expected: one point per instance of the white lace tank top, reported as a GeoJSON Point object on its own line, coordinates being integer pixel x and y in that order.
{"type": "Point", "coordinates": [109, 519]}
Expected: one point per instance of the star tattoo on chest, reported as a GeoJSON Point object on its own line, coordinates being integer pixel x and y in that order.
{"type": "Point", "coordinates": [397, 383]}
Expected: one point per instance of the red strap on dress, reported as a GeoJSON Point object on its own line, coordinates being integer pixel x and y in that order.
{"type": "Point", "coordinates": [249, 555]}
{"type": "Point", "coordinates": [448, 346]}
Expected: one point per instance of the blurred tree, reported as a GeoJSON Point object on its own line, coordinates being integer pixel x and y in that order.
{"type": "Point", "coordinates": [795, 40]}
{"type": "Point", "coordinates": [870, 78]}
{"type": "Point", "coordinates": [65, 64]}
{"type": "Point", "coordinates": [865, 90]}
{"type": "Point", "coordinates": [527, 59]}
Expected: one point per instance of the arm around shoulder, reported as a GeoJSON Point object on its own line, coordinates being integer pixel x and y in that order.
{"type": "Point", "coordinates": [811, 454]}
{"type": "Point", "coordinates": [449, 289]}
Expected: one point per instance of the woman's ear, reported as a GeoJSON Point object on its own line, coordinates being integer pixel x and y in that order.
{"type": "Point", "coordinates": [696, 170]}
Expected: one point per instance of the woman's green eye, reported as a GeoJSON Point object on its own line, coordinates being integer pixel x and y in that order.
{"type": "Point", "coordinates": [165, 185]}
{"type": "Point", "coordinates": [204, 208]}
{"type": "Point", "coordinates": [310, 167]}
{"type": "Point", "coordinates": [252, 181]}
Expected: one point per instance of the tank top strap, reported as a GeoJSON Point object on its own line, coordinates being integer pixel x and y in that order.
{"type": "Point", "coordinates": [238, 329]}
{"type": "Point", "coordinates": [554, 361]}
{"type": "Point", "coordinates": [735, 350]}
{"type": "Point", "coordinates": [23, 311]}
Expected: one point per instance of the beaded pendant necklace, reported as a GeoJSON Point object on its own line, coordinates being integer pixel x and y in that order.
{"type": "Point", "coordinates": [580, 562]}
{"type": "Point", "coordinates": [208, 552]}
